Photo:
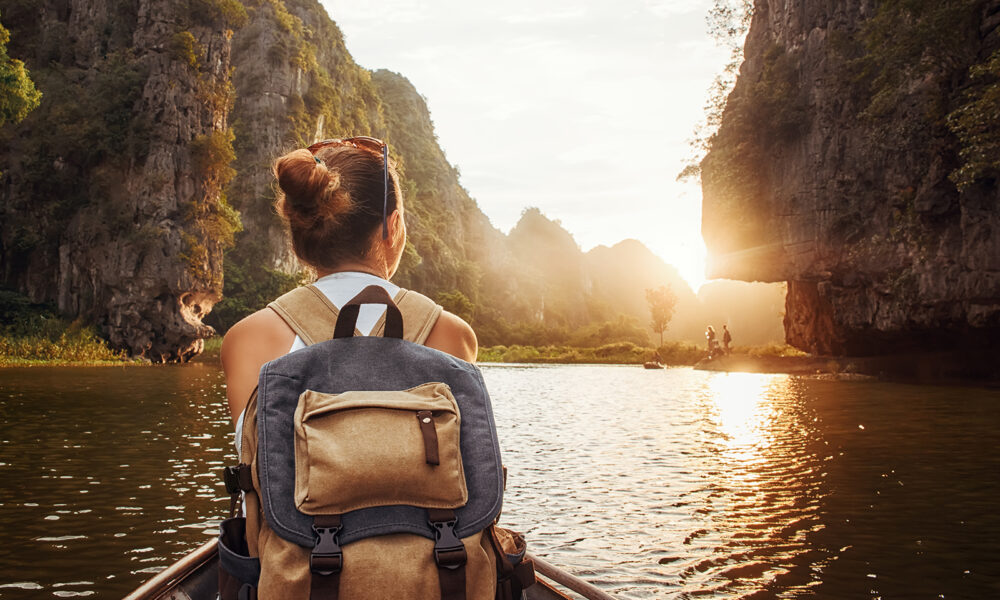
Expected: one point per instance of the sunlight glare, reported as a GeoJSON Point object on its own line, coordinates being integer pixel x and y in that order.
{"type": "Point", "coordinates": [738, 398]}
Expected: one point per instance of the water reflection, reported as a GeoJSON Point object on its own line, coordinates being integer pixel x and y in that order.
{"type": "Point", "coordinates": [654, 484]}
{"type": "Point", "coordinates": [108, 475]}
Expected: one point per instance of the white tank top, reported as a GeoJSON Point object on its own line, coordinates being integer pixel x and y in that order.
{"type": "Point", "coordinates": [340, 288]}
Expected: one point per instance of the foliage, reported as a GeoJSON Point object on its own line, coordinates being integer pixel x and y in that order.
{"type": "Point", "coordinates": [186, 48]}
{"type": "Point", "coordinates": [18, 94]}
{"type": "Point", "coordinates": [212, 155]}
{"type": "Point", "coordinates": [773, 350]}
{"type": "Point", "coordinates": [456, 303]}
{"type": "Point", "coordinates": [33, 333]}
{"type": "Point", "coordinates": [84, 135]}
{"type": "Point", "coordinates": [249, 286]}
{"type": "Point", "coordinates": [622, 329]}
{"type": "Point", "coordinates": [618, 353]}
{"type": "Point", "coordinates": [212, 219]}
{"type": "Point", "coordinates": [728, 23]}
{"type": "Point", "coordinates": [976, 123]}
{"type": "Point", "coordinates": [230, 13]}
{"type": "Point", "coordinates": [762, 112]}
{"type": "Point", "coordinates": [674, 353]}
{"type": "Point", "coordinates": [662, 302]}
{"type": "Point", "coordinates": [680, 353]}
{"type": "Point", "coordinates": [917, 66]}
{"type": "Point", "coordinates": [907, 40]}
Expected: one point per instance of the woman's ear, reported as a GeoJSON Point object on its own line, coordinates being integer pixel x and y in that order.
{"type": "Point", "coordinates": [397, 228]}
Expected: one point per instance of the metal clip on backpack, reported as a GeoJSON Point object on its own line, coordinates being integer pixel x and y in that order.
{"type": "Point", "coordinates": [374, 472]}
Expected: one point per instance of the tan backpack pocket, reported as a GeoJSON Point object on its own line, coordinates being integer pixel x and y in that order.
{"type": "Point", "coordinates": [361, 449]}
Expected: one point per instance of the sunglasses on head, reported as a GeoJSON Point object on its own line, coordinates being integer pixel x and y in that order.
{"type": "Point", "coordinates": [372, 145]}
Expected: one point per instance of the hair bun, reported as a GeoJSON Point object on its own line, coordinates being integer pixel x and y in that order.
{"type": "Point", "coordinates": [311, 191]}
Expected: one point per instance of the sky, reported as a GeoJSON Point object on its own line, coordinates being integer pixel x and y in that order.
{"type": "Point", "coordinates": [581, 108]}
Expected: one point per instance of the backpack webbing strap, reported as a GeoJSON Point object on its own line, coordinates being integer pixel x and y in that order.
{"type": "Point", "coordinates": [326, 560]}
{"type": "Point", "coordinates": [420, 313]}
{"type": "Point", "coordinates": [449, 554]}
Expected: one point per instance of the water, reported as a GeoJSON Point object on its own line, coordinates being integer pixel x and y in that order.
{"type": "Point", "coordinates": [653, 484]}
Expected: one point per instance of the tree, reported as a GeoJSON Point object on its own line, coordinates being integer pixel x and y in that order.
{"type": "Point", "coordinates": [457, 303]}
{"type": "Point", "coordinates": [662, 302]}
{"type": "Point", "coordinates": [728, 22]}
{"type": "Point", "coordinates": [18, 95]}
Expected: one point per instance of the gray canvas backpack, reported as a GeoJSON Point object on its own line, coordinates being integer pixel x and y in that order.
{"type": "Point", "coordinates": [370, 467]}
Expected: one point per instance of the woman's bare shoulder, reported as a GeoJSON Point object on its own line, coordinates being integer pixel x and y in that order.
{"type": "Point", "coordinates": [253, 341]}
{"type": "Point", "coordinates": [453, 335]}
{"type": "Point", "coordinates": [262, 332]}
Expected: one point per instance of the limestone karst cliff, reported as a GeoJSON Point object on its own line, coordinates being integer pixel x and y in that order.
{"type": "Point", "coordinates": [139, 195]}
{"type": "Point", "coordinates": [858, 160]}
{"type": "Point", "coordinates": [111, 199]}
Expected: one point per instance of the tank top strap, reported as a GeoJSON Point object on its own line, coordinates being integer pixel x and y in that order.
{"type": "Point", "coordinates": [313, 317]}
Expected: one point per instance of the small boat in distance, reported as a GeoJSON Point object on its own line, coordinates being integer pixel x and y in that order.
{"type": "Point", "coordinates": [195, 577]}
{"type": "Point", "coordinates": [652, 365]}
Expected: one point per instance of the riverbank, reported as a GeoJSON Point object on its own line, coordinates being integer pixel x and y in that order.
{"type": "Point", "coordinates": [941, 368]}
{"type": "Point", "coordinates": [33, 334]}
{"type": "Point", "coordinates": [75, 346]}
{"type": "Point", "coordinates": [626, 353]}
{"type": "Point", "coordinates": [791, 365]}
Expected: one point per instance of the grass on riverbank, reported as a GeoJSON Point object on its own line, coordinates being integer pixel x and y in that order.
{"type": "Point", "coordinates": [74, 346]}
{"type": "Point", "coordinates": [677, 353]}
{"type": "Point", "coordinates": [671, 353]}
{"type": "Point", "coordinates": [33, 335]}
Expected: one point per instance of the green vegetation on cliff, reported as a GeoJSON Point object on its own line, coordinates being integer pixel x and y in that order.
{"type": "Point", "coordinates": [939, 42]}
{"type": "Point", "coordinates": [148, 156]}
{"type": "Point", "coordinates": [18, 94]}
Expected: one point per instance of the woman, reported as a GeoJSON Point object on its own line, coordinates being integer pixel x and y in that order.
{"type": "Point", "coordinates": [342, 202]}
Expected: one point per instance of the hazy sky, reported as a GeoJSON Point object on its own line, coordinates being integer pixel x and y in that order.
{"type": "Point", "coordinates": [581, 108]}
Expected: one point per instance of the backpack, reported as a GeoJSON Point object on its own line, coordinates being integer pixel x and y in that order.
{"type": "Point", "coordinates": [371, 467]}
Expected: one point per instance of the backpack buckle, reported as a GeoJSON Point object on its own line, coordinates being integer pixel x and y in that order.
{"type": "Point", "coordinates": [231, 479]}
{"type": "Point", "coordinates": [238, 479]}
{"type": "Point", "coordinates": [449, 551]}
{"type": "Point", "coordinates": [326, 557]}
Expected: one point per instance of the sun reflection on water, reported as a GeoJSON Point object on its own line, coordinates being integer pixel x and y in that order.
{"type": "Point", "coordinates": [740, 407]}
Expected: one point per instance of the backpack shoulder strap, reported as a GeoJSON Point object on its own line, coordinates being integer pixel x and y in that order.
{"type": "Point", "coordinates": [311, 315]}
{"type": "Point", "coordinates": [308, 312]}
{"type": "Point", "coordinates": [420, 313]}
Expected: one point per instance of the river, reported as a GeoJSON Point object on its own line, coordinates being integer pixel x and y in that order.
{"type": "Point", "coordinates": [652, 484]}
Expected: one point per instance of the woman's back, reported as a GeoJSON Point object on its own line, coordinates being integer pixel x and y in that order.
{"type": "Point", "coordinates": [344, 210]}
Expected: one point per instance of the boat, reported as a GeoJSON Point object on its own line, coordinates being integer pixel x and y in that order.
{"type": "Point", "coordinates": [195, 577]}
{"type": "Point", "coordinates": [652, 365]}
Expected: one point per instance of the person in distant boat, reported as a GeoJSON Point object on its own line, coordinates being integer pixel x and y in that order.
{"type": "Point", "coordinates": [342, 202]}
{"type": "Point", "coordinates": [713, 344]}
{"type": "Point", "coordinates": [727, 338]}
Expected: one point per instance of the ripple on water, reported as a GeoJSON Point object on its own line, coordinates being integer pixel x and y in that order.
{"type": "Point", "coordinates": [653, 484]}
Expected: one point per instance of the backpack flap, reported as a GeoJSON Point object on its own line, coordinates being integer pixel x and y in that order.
{"type": "Point", "coordinates": [319, 393]}
{"type": "Point", "coordinates": [361, 449]}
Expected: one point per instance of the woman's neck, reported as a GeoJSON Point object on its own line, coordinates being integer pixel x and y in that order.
{"type": "Point", "coordinates": [354, 267]}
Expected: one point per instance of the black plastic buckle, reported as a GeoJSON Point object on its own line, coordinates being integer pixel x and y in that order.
{"type": "Point", "coordinates": [449, 552]}
{"type": "Point", "coordinates": [231, 476]}
{"type": "Point", "coordinates": [326, 557]}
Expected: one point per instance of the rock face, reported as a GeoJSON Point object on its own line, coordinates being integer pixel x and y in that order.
{"type": "Point", "coordinates": [834, 169]}
{"type": "Point", "coordinates": [296, 83]}
{"type": "Point", "coordinates": [111, 190]}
